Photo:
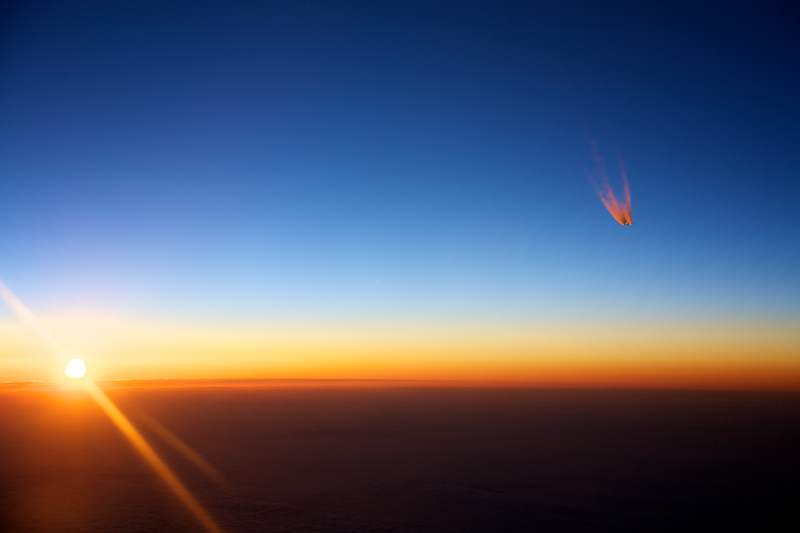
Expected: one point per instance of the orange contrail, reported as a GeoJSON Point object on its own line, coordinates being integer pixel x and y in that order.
{"type": "Point", "coordinates": [621, 211]}
{"type": "Point", "coordinates": [116, 416]}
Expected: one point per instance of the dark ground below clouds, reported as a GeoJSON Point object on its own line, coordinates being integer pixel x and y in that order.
{"type": "Point", "coordinates": [406, 459]}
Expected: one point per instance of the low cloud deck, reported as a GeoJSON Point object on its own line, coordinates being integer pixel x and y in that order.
{"type": "Point", "coordinates": [406, 459]}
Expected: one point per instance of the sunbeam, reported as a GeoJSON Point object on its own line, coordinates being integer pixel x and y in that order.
{"type": "Point", "coordinates": [184, 449]}
{"type": "Point", "coordinates": [75, 371]}
{"type": "Point", "coordinates": [150, 456]}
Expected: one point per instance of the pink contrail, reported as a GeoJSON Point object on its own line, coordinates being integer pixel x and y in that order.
{"type": "Point", "coordinates": [621, 211]}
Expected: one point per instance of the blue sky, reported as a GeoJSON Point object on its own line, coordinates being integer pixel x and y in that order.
{"type": "Point", "coordinates": [399, 160]}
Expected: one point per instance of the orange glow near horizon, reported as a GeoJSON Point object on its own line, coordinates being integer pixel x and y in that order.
{"type": "Point", "coordinates": [715, 354]}
{"type": "Point", "coordinates": [666, 353]}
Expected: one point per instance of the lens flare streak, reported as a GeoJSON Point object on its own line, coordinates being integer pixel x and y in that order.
{"type": "Point", "coordinates": [29, 319]}
{"type": "Point", "coordinates": [150, 456]}
{"type": "Point", "coordinates": [178, 445]}
{"type": "Point", "coordinates": [116, 416]}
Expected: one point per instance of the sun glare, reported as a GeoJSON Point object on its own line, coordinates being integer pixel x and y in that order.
{"type": "Point", "coordinates": [76, 368]}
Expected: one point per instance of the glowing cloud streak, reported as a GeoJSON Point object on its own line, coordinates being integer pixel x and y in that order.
{"type": "Point", "coordinates": [116, 416]}
{"type": "Point", "coordinates": [621, 211]}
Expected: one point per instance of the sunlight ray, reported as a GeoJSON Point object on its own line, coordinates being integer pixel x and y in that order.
{"type": "Point", "coordinates": [116, 416]}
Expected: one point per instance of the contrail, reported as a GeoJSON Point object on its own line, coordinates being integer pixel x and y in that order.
{"type": "Point", "coordinates": [621, 211]}
{"type": "Point", "coordinates": [116, 416]}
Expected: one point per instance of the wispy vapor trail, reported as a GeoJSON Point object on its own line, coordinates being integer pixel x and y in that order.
{"type": "Point", "coordinates": [620, 210]}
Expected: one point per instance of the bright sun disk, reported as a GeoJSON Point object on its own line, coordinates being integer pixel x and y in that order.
{"type": "Point", "coordinates": [76, 368]}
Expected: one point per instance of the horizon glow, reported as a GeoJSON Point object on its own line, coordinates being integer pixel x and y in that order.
{"type": "Point", "coordinates": [696, 354]}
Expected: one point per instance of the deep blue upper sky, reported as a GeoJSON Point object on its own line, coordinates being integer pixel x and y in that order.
{"type": "Point", "coordinates": [307, 160]}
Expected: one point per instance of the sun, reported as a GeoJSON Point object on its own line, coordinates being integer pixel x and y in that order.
{"type": "Point", "coordinates": [76, 368]}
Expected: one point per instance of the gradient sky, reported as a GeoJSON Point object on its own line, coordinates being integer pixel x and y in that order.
{"type": "Point", "coordinates": [350, 189]}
